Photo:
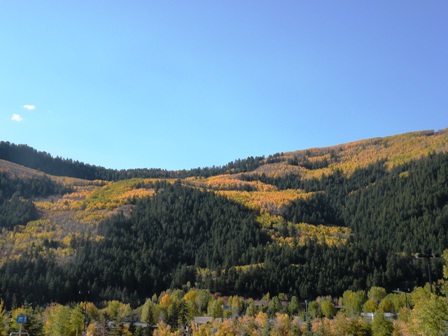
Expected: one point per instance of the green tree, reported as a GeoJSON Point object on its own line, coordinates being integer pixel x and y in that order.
{"type": "Point", "coordinates": [386, 306]}
{"type": "Point", "coordinates": [274, 306]}
{"type": "Point", "coordinates": [77, 319]}
{"type": "Point", "coordinates": [381, 326]}
{"type": "Point", "coordinates": [251, 310]}
{"type": "Point", "coordinates": [293, 306]}
{"type": "Point", "coordinates": [173, 311]}
{"type": "Point", "coordinates": [215, 308]}
{"type": "Point", "coordinates": [34, 322]}
{"type": "Point", "coordinates": [353, 302]}
{"type": "Point", "coordinates": [202, 300]}
{"type": "Point", "coordinates": [117, 311]}
{"type": "Point", "coordinates": [376, 294]}
{"type": "Point", "coordinates": [237, 305]}
{"type": "Point", "coordinates": [445, 270]}
{"type": "Point", "coordinates": [314, 309]}
{"type": "Point", "coordinates": [430, 316]}
{"type": "Point", "coordinates": [328, 308]}
{"type": "Point", "coordinates": [185, 309]}
{"type": "Point", "coordinates": [148, 314]}
{"type": "Point", "coordinates": [369, 306]}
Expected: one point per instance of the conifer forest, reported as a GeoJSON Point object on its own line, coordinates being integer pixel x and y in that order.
{"type": "Point", "coordinates": [343, 240]}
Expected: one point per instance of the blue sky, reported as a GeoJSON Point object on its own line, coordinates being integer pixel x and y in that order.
{"type": "Point", "coordinates": [186, 84]}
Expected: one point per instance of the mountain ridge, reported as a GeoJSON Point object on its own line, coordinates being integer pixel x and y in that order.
{"type": "Point", "coordinates": [126, 173]}
{"type": "Point", "coordinates": [316, 222]}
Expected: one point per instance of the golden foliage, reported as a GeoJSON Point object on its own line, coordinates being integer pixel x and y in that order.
{"type": "Point", "coordinates": [137, 193]}
{"type": "Point", "coordinates": [115, 194]}
{"type": "Point", "coordinates": [264, 201]}
{"type": "Point", "coordinates": [245, 268]}
{"type": "Point", "coordinates": [395, 150]}
{"type": "Point", "coordinates": [165, 300]}
{"type": "Point", "coordinates": [62, 220]}
{"type": "Point", "coordinates": [39, 234]}
{"type": "Point", "coordinates": [77, 214]}
{"type": "Point", "coordinates": [229, 182]}
{"type": "Point", "coordinates": [298, 234]}
{"type": "Point", "coordinates": [164, 329]}
{"type": "Point", "coordinates": [278, 169]}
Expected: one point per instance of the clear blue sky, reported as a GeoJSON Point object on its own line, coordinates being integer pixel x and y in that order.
{"type": "Point", "coordinates": [185, 84]}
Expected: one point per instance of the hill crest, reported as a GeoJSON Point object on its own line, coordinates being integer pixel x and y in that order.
{"type": "Point", "coordinates": [395, 150]}
{"type": "Point", "coordinates": [366, 206]}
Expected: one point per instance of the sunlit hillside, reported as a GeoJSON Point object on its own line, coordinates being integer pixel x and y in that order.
{"type": "Point", "coordinates": [394, 150]}
{"type": "Point", "coordinates": [77, 213]}
{"type": "Point", "coordinates": [295, 211]}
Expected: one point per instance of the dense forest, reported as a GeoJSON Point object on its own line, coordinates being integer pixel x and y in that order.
{"type": "Point", "coordinates": [15, 204]}
{"type": "Point", "coordinates": [184, 233]}
{"type": "Point", "coordinates": [179, 230]}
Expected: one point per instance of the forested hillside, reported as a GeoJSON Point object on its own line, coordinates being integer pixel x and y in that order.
{"type": "Point", "coordinates": [307, 223]}
{"type": "Point", "coordinates": [42, 161]}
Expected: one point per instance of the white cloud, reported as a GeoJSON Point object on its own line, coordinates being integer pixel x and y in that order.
{"type": "Point", "coordinates": [29, 107]}
{"type": "Point", "coordinates": [16, 117]}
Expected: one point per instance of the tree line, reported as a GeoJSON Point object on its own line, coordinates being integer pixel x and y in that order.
{"type": "Point", "coordinates": [372, 312]}
{"type": "Point", "coordinates": [43, 161]}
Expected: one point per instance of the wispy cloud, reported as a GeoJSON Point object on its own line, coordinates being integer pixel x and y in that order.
{"type": "Point", "coordinates": [16, 117]}
{"type": "Point", "coordinates": [29, 107]}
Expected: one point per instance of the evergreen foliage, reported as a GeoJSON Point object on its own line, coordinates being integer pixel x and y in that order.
{"type": "Point", "coordinates": [167, 237]}
{"type": "Point", "coordinates": [15, 204]}
{"type": "Point", "coordinates": [188, 236]}
{"type": "Point", "coordinates": [30, 157]}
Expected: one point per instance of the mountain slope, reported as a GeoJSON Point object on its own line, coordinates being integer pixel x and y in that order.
{"type": "Point", "coordinates": [311, 222]}
{"type": "Point", "coordinates": [395, 150]}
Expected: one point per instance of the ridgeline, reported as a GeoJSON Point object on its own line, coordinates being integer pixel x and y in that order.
{"type": "Point", "coordinates": [306, 223]}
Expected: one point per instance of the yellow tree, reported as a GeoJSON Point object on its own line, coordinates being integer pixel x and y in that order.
{"type": "Point", "coordinates": [93, 313]}
{"type": "Point", "coordinates": [203, 330]}
{"type": "Point", "coordinates": [3, 320]}
{"type": "Point", "coordinates": [262, 323]}
{"type": "Point", "coordinates": [165, 300]}
{"type": "Point", "coordinates": [49, 317]}
{"type": "Point", "coordinates": [247, 325]}
{"type": "Point", "coordinates": [342, 326]}
{"type": "Point", "coordinates": [164, 329]}
{"type": "Point", "coordinates": [57, 321]}
{"type": "Point", "coordinates": [321, 326]}
{"type": "Point", "coordinates": [282, 325]}
{"type": "Point", "coordinates": [226, 328]}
